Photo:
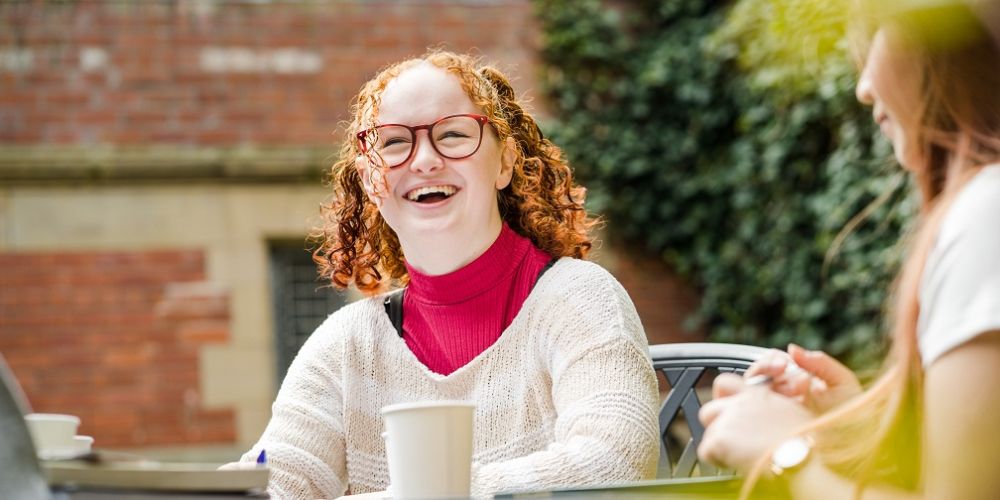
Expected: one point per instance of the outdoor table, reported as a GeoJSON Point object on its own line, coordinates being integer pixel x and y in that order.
{"type": "Point", "coordinates": [100, 494]}
{"type": "Point", "coordinates": [676, 488]}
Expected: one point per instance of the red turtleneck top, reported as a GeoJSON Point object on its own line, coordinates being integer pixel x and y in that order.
{"type": "Point", "coordinates": [450, 319]}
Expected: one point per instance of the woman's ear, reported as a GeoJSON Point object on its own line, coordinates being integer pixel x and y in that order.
{"type": "Point", "coordinates": [363, 166]}
{"type": "Point", "coordinates": [507, 160]}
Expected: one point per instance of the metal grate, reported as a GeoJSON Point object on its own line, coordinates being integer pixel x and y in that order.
{"type": "Point", "coordinates": [301, 302]}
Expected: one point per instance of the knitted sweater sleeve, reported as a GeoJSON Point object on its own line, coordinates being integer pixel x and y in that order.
{"type": "Point", "coordinates": [304, 439]}
{"type": "Point", "coordinates": [603, 388]}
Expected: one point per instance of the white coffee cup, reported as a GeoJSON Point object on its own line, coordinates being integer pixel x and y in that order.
{"type": "Point", "coordinates": [429, 448]}
{"type": "Point", "coordinates": [52, 433]}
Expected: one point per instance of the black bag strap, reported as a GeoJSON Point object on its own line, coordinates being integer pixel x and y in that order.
{"type": "Point", "coordinates": [394, 301]}
{"type": "Point", "coordinates": [394, 309]}
{"type": "Point", "coordinates": [546, 268]}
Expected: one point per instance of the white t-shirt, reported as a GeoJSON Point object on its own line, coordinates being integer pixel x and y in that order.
{"type": "Point", "coordinates": [960, 287]}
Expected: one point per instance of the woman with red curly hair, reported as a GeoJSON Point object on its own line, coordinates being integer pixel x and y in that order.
{"type": "Point", "coordinates": [447, 188]}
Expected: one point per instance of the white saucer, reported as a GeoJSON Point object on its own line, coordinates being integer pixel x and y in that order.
{"type": "Point", "coordinates": [80, 447]}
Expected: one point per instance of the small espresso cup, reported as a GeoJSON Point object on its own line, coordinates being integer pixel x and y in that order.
{"type": "Point", "coordinates": [429, 449]}
{"type": "Point", "coordinates": [52, 433]}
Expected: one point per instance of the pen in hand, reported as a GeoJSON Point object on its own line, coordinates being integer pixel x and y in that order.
{"type": "Point", "coordinates": [260, 463]}
{"type": "Point", "coordinates": [762, 379]}
{"type": "Point", "coordinates": [758, 380]}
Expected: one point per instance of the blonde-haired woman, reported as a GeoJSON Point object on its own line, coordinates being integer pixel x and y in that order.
{"type": "Point", "coordinates": [927, 428]}
{"type": "Point", "coordinates": [447, 186]}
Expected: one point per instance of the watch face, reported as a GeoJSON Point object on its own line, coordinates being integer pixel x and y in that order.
{"type": "Point", "coordinates": [791, 453]}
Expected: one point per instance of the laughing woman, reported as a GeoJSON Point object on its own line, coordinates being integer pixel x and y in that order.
{"type": "Point", "coordinates": [447, 188]}
{"type": "Point", "coordinates": [927, 427]}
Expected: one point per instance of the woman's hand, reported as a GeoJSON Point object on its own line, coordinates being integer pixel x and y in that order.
{"type": "Point", "coordinates": [742, 422]}
{"type": "Point", "coordinates": [812, 378]}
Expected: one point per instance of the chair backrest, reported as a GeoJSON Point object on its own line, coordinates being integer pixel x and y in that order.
{"type": "Point", "coordinates": [20, 474]}
{"type": "Point", "coordinates": [683, 365]}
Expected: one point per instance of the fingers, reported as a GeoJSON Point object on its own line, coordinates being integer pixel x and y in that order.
{"type": "Point", "coordinates": [727, 384]}
{"type": "Point", "coordinates": [786, 377]}
{"type": "Point", "coordinates": [711, 450]}
{"type": "Point", "coordinates": [710, 411]}
{"type": "Point", "coordinates": [795, 384]}
{"type": "Point", "coordinates": [822, 365]}
{"type": "Point", "coordinates": [773, 364]}
{"type": "Point", "coordinates": [239, 466]}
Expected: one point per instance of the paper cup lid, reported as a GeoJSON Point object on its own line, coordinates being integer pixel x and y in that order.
{"type": "Point", "coordinates": [53, 417]}
{"type": "Point", "coordinates": [425, 404]}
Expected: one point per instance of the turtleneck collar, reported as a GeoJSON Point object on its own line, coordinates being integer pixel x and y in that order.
{"type": "Point", "coordinates": [497, 263]}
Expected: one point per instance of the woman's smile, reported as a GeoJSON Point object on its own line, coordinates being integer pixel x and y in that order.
{"type": "Point", "coordinates": [431, 194]}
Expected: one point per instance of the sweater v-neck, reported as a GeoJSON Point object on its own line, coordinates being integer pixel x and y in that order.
{"type": "Point", "coordinates": [510, 335]}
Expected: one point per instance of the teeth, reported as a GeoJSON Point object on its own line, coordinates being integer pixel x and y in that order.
{"type": "Point", "coordinates": [417, 193]}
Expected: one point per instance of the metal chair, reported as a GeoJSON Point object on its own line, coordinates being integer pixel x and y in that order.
{"type": "Point", "coordinates": [683, 365]}
{"type": "Point", "coordinates": [20, 474]}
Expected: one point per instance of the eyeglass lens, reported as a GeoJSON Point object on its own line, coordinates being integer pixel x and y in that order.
{"type": "Point", "coordinates": [454, 137]}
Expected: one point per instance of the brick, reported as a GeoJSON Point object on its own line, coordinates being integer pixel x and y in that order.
{"type": "Point", "coordinates": [126, 358]}
{"type": "Point", "coordinates": [200, 332]}
{"type": "Point", "coordinates": [96, 117]}
{"type": "Point", "coordinates": [218, 137]}
{"type": "Point", "coordinates": [106, 355]}
{"type": "Point", "coordinates": [109, 419]}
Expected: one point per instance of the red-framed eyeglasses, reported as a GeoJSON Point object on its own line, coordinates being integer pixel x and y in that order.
{"type": "Point", "coordinates": [454, 137]}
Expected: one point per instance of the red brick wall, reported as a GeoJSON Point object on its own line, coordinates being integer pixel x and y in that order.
{"type": "Point", "coordinates": [224, 73]}
{"type": "Point", "coordinates": [113, 337]}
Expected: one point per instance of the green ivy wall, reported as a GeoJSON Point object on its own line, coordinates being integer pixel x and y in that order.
{"type": "Point", "coordinates": [725, 138]}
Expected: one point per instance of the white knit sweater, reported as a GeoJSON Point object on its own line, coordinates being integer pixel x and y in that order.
{"type": "Point", "coordinates": [566, 395]}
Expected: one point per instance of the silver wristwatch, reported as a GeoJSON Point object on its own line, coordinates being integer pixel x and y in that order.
{"type": "Point", "coordinates": [790, 455]}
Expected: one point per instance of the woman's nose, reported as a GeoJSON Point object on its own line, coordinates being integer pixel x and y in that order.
{"type": "Point", "coordinates": [425, 157]}
{"type": "Point", "coordinates": [863, 90]}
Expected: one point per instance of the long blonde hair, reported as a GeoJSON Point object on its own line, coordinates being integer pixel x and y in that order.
{"type": "Point", "coordinates": [876, 437]}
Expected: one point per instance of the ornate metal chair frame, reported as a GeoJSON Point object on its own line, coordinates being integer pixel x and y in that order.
{"type": "Point", "coordinates": [683, 365]}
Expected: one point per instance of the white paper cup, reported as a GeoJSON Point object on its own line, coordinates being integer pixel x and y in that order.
{"type": "Point", "coordinates": [429, 449]}
{"type": "Point", "coordinates": [52, 433]}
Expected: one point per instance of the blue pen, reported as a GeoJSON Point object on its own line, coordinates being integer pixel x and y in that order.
{"type": "Point", "coordinates": [262, 459]}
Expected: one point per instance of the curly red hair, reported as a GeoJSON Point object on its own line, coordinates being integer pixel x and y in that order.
{"type": "Point", "coordinates": [355, 245]}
